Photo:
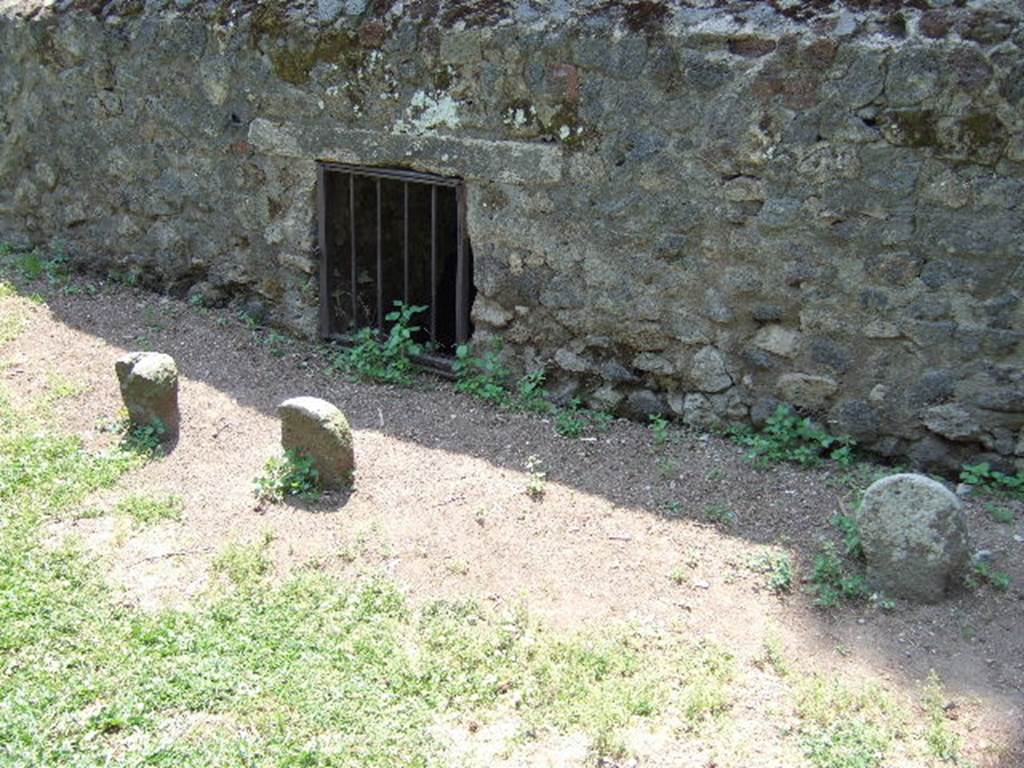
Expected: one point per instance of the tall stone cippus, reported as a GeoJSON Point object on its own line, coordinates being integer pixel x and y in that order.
{"type": "Point", "coordinates": [320, 431]}
{"type": "Point", "coordinates": [149, 388]}
{"type": "Point", "coordinates": [914, 535]}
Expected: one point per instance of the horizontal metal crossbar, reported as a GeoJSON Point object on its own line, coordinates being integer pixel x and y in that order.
{"type": "Point", "coordinates": [401, 174]}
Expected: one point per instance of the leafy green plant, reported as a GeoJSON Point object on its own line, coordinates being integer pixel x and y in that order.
{"type": "Point", "coordinates": [1003, 515]}
{"type": "Point", "coordinates": [145, 440]}
{"type": "Point", "coordinates": [389, 360]}
{"type": "Point", "coordinates": [982, 572]}
{"type": "Point", "coordinates": [571, 421]}
{"type": "Point", "coordinates": [789, 437]}
{"type": "Point", "coordinates": [832, 582]}
{"type": "Point", "coordinates": [601, 421]}
{"type": "Point", "coordinates": [983, 477]}
{"type": "Point", "coordinates": [531, 395]}
{"type": "Point", "coordinates": [777, 567]}
{"type": "Point", "coordinates": [483, 376]}
{"type": "Point", "coordinates": [850, 531]}
{"type": "Point", "coordinates": [291, 475]}
{"type": "Point", "coordinates": [720, 514]}
{"type": "Point", "coordinates": [35, 263]}
{"type": "Point", "coordinates": [659, 428]}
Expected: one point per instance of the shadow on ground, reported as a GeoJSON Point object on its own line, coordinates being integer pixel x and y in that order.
{"type": "Point", "coordinates": [975, 641]}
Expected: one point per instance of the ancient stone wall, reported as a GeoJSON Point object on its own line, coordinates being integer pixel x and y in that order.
{"type": "Point", "coordinates": [696, 208]}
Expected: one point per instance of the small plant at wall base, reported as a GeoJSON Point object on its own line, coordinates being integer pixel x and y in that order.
{"type": "Point", "coordinates": [571, 421]}
{"type": "Point", "coordinates": [659, 429]}
{"type": "Point", "coordinates": [390, 359]}
{"type": "Point", "coordinates": [291, 475]}
{"type": "Point", "coordinates": [789, 437]}
{"type": "Point", "coordinates": [983, 477]}
{"type": "Point", "coordinates": [531, 395]}
{"type": "Point", "coordinates": [482, 376]}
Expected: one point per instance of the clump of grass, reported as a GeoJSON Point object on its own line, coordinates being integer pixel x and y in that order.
{"type": "Point", "coordinates": [659, 429]}
{"type": "Point", "coordinates": [777, 569]}
{"type": "Point", "coordinates": [849, 529]}
{"type": "Point", "coordinates": [720, 514]}
{"type": "Point", "coordinates": [1003, 515]}
{"type": "Point", "coordinates": [244, 564]}
{"type": "Point", "coordinates": [843, 727]}
{"type": "Point", "coordinates": [293, 474]}
{"type": "Point", "coordinates": [707, 673]}
{"type": "Point", "coordinates": [833, 582]}
{"type": "Point", "coordinates": [148, 510]}
{"type": "Point", "coordinates": [773, 656]}
{"type": "Point", "coordinates": [942, 741]}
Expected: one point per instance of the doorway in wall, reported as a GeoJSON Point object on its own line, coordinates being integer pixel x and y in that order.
{"type": "Point", "coordinates": [390, 235]}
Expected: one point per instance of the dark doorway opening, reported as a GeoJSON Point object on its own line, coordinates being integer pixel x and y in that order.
{"type": "Point", "coordinates": [393, 235]}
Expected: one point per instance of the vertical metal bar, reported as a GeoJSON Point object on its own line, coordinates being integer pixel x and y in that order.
{"type": "Point", "coordinates": [321, 234]}
{"type": "Point", "coordinates": [352, 242]}
{"type": "Point", "coordinates": [405, 243]}
{"type": "Point", "coordinates": [380, 263]}
{"type": "Point", "coordinates": [433, 263]}
{"type": "Point", "coordinates": [461, 281]}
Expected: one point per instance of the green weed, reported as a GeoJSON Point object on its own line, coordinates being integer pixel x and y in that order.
{"type": "Point", "coordinates": [832, 582]}
{"type": "Point", "coordinates": [1003, 515]}
{"type": "Point", "coordinates": [843, 727]}
{"type": "Point", "coordinates": [536, 478]}
{"type": "Point", "coordinates": [659, 429]}
{"type": "Point", "coordinates": [144, 440]}
{"type": "Point", "coordinates": [484, 376]}
{"type": "Point", "coordinates": [531, 396]}
{"type": "Point", "coordinates": [293, 474]}
{"type": "Point", "coordinates": [850, 531]}
{"type": "Point", "coordinates": [789, 437]}
{"type": "Point", "coordinates": [389, 360]}
{"type": "Point", "coordinates": [244, 564]}
{"type": "Point", "coordinates": [982, 573]}
{"type": "Point", "coordinates": [720, 514]}
{"type": "Point", "coordinates": [571, 421]}
{"type": "Point", "coordinates": [777, 568]}
{"type": "Point", "coordinates": [148, 510]}
{"type": "Point", "coordinates": [942, 741]}
{"type": "Point", "coordinates": [984, 478]}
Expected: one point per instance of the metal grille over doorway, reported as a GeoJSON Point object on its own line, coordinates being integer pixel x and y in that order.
{"type": "Point", "coordinates": [393, 235]}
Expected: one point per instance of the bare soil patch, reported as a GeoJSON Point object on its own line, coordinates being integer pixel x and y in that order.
{"type": "Point", "coordinates": [440, 505]}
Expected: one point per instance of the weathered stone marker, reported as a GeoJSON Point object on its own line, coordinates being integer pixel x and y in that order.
{"type": "Point", "coordinates": [320, 431]}
{"type": "Point", "coordinates": [914, 535]}
{"type": "Point", "coordinates": [149, 388]}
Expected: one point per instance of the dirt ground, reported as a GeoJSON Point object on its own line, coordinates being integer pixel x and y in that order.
{"type": "Point", "coordinates": [440, 505]}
